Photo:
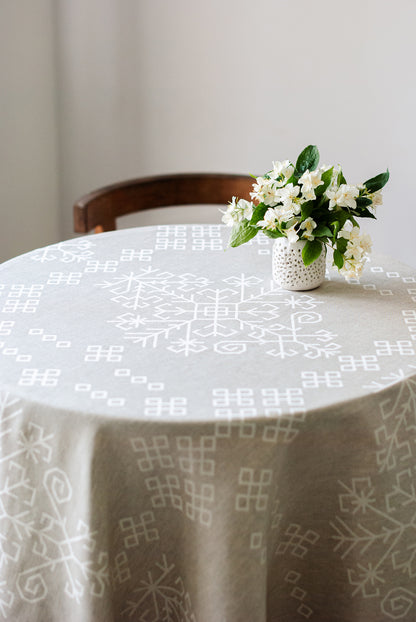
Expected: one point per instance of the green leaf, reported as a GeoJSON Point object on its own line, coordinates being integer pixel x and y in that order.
{"type": "Point", "coordinates": [326, 178]}
{"type": "Point", "coordinates": [311, 251]}
{"type": "Point", "coordinates": [241, 233]}
{"type": "Point", "coordinates": [341, 179]}
{"type": "Point", "coordinates": [341, 217]}
{"type": "Point", "coordinates": [363, 201]}
{"type": "Point", "coordinates": [322, 230]}
{"type": "Point", "coordinates": [342, 244]}
{"type": "Point", "coordinates": [258, 213]}
{"type": "Point", "coordinates": [307, 160]}
{"type": "Point", "coordinates": [273, 234]}
{"type": "Point", "coordinates": [306, 209]}
{"type": "Point", "coordinates": [338, 259]}
{"type": "Point", "coordinates": [362, 212]}
{"type": "Point", "coordinates": [377, 182]}
{"type": "Point", "coordinates": [337, 227]}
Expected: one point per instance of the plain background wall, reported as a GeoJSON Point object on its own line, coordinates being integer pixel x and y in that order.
{"type": "Point", "coordinates": [151, 86]}
{"type": "Point", "coordinates": [29, 193]}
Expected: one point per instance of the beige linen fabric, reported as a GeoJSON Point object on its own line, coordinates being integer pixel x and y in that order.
{"type": "Point", "coordinates": [183, 440]}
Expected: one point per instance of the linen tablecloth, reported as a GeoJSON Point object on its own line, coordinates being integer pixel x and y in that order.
{"type": "Point", "coordinates": [181, 439]}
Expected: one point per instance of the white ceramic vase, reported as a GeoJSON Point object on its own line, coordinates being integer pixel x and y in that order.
{"type": "Point", "coordinates": [290, 272]}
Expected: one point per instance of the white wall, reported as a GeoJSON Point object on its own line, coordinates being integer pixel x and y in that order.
{"type": "Point", "coordinates": [29, 200]}
{"type": "Point", "coordinates": [150, 86]}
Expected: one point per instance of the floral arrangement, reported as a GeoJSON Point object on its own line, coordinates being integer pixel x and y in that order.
{"type": "Point", "coordinates": [304, 202]}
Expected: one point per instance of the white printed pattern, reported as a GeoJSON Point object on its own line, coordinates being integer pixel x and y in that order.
{"type": "Point", "coordinates": [181, 472]}
{"type": "Point", "coordinates": [380, 526]}
{"type": "Point", "coordinates": [37, 525]}
{"type": "Point", "coordinates": [189, 316]}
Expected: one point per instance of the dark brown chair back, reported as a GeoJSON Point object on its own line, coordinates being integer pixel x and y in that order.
{"type": "Point", "coordinates": [99, 210]}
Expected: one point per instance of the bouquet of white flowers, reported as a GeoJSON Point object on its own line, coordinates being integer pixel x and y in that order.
{"type": "Point", "coordinates": [304, 202]}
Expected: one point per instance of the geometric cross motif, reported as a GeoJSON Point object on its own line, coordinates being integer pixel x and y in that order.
{"type": "Point", "coordinates": [366, 362]}
{"type": "Point", "coordinates": [192, 457]}
{"type": "Point", "coordinates": [176, 237]}
{"type": "Point", "coordinates": [173, 406]}
{"type": "Point", "coordinates": [297, 543]}
{"type": "Point", "coordinates": [96, 266]}
{"type": "Point", "coordinates": [154, 452]}
{"type": "Point", "coordinates": [199, 497]}
{"type": "Point", "coordinates": [43, 377]}
{"type": "Point", "coordinates": [255, 495]}
{"type": "Point", "coordinates": [133, 528]}
{"type": "Point", "coordinates": [6, 327]}
{"type": "Point", "coordinates": [187, 315]}
{"type": "Point", "coordinates": [194, 454]}
{"type": "Point", "coordinates": [166, 491]}
{"type": "Point", "coordinates": [63, 278]}
{"type": "Point", "coordinates": [131, 254]}
{"type": "Point", "coordinates": [274, 398]}
{"type": "Point", "coordinates": [386, 348]}
{"type": "Point", "coordinates": [23, 299]}
{"type": "Point", "coordinates": [111, 354]}
{"type": "Point", "coordinates": [409, 316]}
{"type": "Point", "coordinates": [283, 429]}
{"type": "Point", "coordinates": [313, 380]}
{"type": "Point", "coordinates": [238, 403]}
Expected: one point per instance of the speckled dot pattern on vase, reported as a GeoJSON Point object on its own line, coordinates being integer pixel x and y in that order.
{"type": "Point", "coordinates": [290, 272]}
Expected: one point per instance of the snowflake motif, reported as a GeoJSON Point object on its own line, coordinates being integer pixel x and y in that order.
{"type": "Point", "coordinates": [385, 381]}
{"type": "Point", "coordinates": [161, 597]}
{"type": "Point", "coordinates": [70, 251]}
{"type": "Point", "coordinates": [381, 523]}
{"type": "Point", "coordinates": [33, 517]}
{"type": "Point", "coordinates": [190, 315]}
{"type": "Point", "coordinates": [399, 423]}
{"type": "Point", "coordinates": [359, 497]}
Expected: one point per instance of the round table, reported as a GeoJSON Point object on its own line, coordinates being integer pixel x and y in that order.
{"type": "Point", "coordinates": [181, 439]}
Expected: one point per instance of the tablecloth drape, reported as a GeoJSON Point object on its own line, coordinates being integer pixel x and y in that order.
{"type": "Point", "coordinates": [183, 440]}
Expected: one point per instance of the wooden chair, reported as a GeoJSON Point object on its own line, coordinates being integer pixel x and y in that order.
{"type": "Point", "coordinates": [99, 210]}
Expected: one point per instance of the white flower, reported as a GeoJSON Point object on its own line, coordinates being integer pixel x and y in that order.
{"type": "Point", "coordinates": [333, 184]}
{"type": "Point", "coordinates": [246, 208]}
{"type": "Point", "coordinates": [377, 199]}
{"type": "Point", "coordinates": [291, 235]}
{"type": "Point", "coordinates": [309, 181]}
{"type": "Point", "coordinates": [343, 197]}
{"type": "Point", "coordinates": [265, 191]}
{"type": "Point", "coordinates": [309, 225]}
{"type": "Point", "coordinates": [237, 211]}
{"type": "Point", "coordinates": [282, 171]}
{"type": "Point", "coordinates": [288, 196]}
{"type": "Point", "coordinates": [228, 218]}
{"type": "Point", "coordinates": [357, 251]}
{"type": "Point", "coordinates": [352, 269]}
{"type": "Point", "coordinates": [269, 220]}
